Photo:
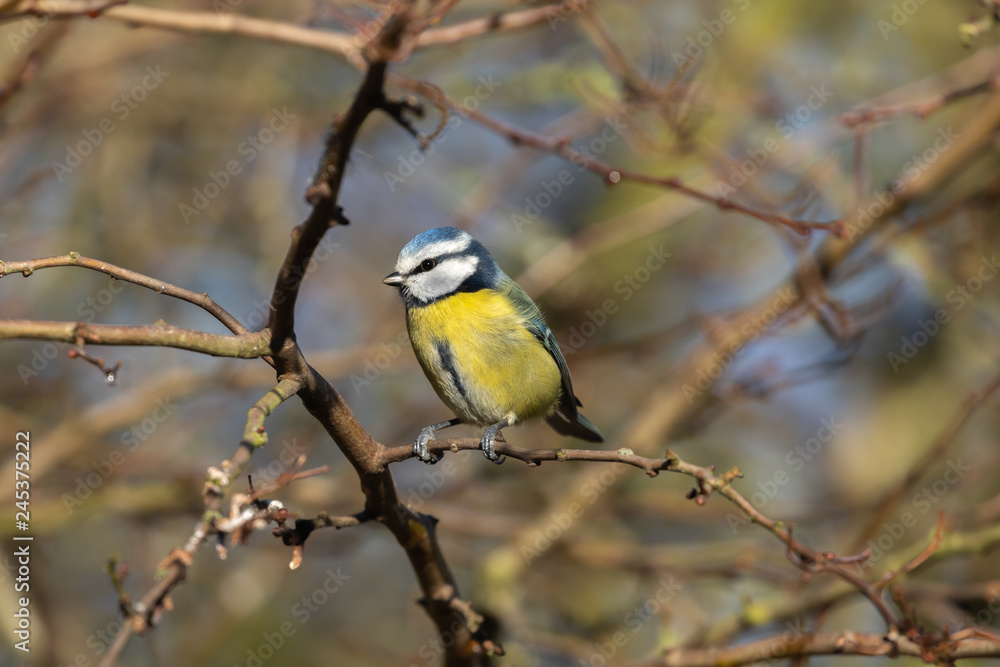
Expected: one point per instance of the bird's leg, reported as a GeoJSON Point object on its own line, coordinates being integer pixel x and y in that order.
{"type": "Point", "coordinates": [489, 438]}
{"type": "Point", "coordinates": [426, 434]}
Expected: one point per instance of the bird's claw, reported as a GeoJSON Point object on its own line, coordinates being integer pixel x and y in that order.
{"type": "Point", "coordinates": [420, 447]}
{"type": "Point", "coordinates": [487, 445]}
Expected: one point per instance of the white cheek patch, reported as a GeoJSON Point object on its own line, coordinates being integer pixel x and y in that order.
{"type": "Point", "coordinates": [443, 279]}
{"type": "Point", "coordinates": [454, 246]}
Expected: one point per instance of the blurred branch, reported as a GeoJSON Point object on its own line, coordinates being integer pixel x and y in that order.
{"type": "Point", "coordinates": [922, 108]}
{"type": "Point", "coordinates": [789, 645]}
{"type": "Point", "coordinates": [782, 606]}
{"type": "Point", "coordinates": [972, 140]}
{"type": "Point", "coordinates": [968, 32]}
{"type": "Point", "coordinates": [612, 175]}
{"type": "Point", "coordinates": [349, 46]}
{"type": "Point", "coordinates": [942, 443]}
{"type": "Point", "coordinates": [193, 22]}
{"type": "Point", "coordinates": [23, 72]}
{"type": "Point", "coordinates": [498, 21]}
{"type": "Point", "coordinates": [665, 406]}
{"type": "Point", "coordinates": [633, 83]}
{"type": "Point", "coordinates": [293, 475]}
{"type": "Point", "coordinates": [918, 560]}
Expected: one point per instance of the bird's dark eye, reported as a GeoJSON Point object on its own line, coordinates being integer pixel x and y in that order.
{"type": "Point", "coordinates": [427, 264]}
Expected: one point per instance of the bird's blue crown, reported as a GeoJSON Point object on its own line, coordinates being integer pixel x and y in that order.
{"type": "Point", "coordinates": [437, 235]}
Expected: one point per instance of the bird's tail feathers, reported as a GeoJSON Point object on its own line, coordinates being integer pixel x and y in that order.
{"type": "Point", "coordinates": [580, 427]}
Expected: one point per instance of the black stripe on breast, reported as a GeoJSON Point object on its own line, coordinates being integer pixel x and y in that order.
{"type": "Point", "coordinates": [448, 362]}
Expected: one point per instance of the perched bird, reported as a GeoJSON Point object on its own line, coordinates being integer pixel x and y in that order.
{"type": "Point", "coordinates": [482, 342]}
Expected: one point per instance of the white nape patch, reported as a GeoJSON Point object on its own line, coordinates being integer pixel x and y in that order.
{"type": "Point", "coordinates": [442, 279]}
{"type": "Point", "coordinates": [449, 247]}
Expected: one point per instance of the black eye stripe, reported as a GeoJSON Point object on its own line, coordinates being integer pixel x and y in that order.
{"type": "Point", "coordinates": [435, 261]}
{"type": "Point", "coordinates": [479, 265]}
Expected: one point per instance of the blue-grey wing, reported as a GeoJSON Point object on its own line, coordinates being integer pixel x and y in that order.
{"type": "Point", "coordinates": [565, 419]}
{"type": "Point", "coordinates": [535, 322]}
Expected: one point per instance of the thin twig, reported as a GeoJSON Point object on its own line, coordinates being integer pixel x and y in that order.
{"type": "Point", "coordinates": [939, 447]}
{"type": "Point", "coordinates": [200, 299]}
{"type": "Point", "coordinates": [921, 108]}
{"type": "Point", "coordinates": [847, 643]}
{"type": "Point", "coordinates": [613, 175]}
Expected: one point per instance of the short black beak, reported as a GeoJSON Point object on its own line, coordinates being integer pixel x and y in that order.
{"type": "Point", "coordinates": [393, 279]}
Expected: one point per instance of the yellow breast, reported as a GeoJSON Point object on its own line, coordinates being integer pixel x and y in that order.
{"type": "Point", "coordinates": [482, 360]}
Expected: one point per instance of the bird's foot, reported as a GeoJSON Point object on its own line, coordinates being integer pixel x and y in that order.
{"type": "Point", "coordinates": [487, 445]}
{"type": "Point", "coordinates": [420, 447]}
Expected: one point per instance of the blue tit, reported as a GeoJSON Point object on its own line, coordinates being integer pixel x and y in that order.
{"type": "Point", "coordinates": [482, 342]}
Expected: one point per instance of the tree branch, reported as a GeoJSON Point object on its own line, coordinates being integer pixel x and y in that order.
{"type": "Point", "coordinates": [942, 443]}
{"type": "Point", "coordinates": [349, 46]}
{"type": "Point", "coordinates": [247, 346]}
{"type": "Point", "coordinates": [806, 558]}
{"type": "Point", "coordinates": [613, 175]}
{"type": "Point", "coordinates": [200, 299]}
{"type": "Point", "coordinates": [942, 651]}
{"type": "Point", "coordinates": [415, 532]}
{"type": "Point", "coordinates": [243, 516]}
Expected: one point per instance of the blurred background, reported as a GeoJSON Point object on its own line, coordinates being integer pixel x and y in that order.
{"type": "Point", "coordinates": [185, 156]}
